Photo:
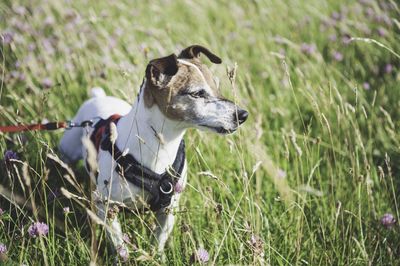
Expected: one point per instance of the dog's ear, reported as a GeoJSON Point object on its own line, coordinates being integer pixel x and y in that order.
{"type": "Point", "coordinates": [158, 69]}
{"type": "Point", "coordinates": [194, 52]}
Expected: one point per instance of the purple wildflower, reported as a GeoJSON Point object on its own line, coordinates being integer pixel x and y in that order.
{"type": "Point", "coordinates": [388, 68]}
{"type": "Point", "coordinates": [20, 10]}
{"type": "Point", "coordinates": [3, 253]}
{"type": "Point", "coordinates": [47, 83]}
{"type": "Point", "coordinates": [48, 46]}
{"type": "Point", "coordinates": [346, 39]}
{"type": "Point", "coordinates": [3, 249]}
{"type": "Point", "coordinates": [332, 37]}
{"type": "Point", "coordinates": [370, 12]}
{"type": "Point", "coordinates": [366, 86]}
{"type": "Point", "coordinates": [7, 37]}
{"type": "Point", "coordinates": [10, 155]}
{"type": "Point", "coordinates": [38, 229]}
{"type": "Point", "coordinates": [281, 173]}
{"type": "Point", "coordinates": [179, 186]}
{"type": "Point", "coordinates": [1, 211]}
{"type": "Point", "coordinates": [338, 56]}
{"type": "Point", "coordinates": [49, 21]}
{"type": "Point", "coordinates": [365, 2]}
{"type": "Point", "coordinates": [31, 47]}
{"type": "Point", "coordinates": [123, 253]}
{"type": "Point", "coordinates": [388, 220]}
{"type": "Point", "coordinates": [336, 16]}
{"type": "Point", "coordinates": [126, 238]}
{"type": "Point", "coordinates": [201, 256]}
{"type": "Point", "coordinates": [381, 32]}
{"type": "Point", "coordinates": [66, 210]}
{"type": "Point", "coordinates": [307, 48]}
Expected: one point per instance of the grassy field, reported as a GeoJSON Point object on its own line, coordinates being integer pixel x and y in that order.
{"type": "Point", "coordinates": [305, 181]}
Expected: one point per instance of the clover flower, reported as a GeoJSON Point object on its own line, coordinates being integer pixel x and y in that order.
{"type": "Point", "coordinates": [47, 83]}
{"type": "Point", "coordinates": [123, 253]}
{"type": "Point", "coordinates": [9, 155]}
{"type": "Point", "coordinates": [38, 229]}
{"type": "Point", "coordinates": [3, 249]}
{"type": "Point", "coordinates": [66, 210]}
{"type": "Point", "coordinates": [388, 68]}
{"type": "Point", "coordinates": [388, 220]}
{"type": "Point", "coordinates": [338, 56]}
{"type": "Point", "coordinates": [308, 48]}
{"type": "Point", "coordinates": [366, 86]}
{"type": "Point", "coordinates": [281, 173]}
{"type": "Point", "coordinates": [3, 253]}
{"type": "Point", "coordinates": [7, 37]}
{"type": "Point", "coordinates": [179, 187]}
{"type": "Point", "coordinates": [201, 256]}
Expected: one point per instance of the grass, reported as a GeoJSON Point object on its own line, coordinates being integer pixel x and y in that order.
{"type": "Point", "coordinates": [309, 176]}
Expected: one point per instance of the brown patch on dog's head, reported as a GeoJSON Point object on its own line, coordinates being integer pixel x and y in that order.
{"type": "Point", "coordinates": [184, 90]}
{"type": "Point", "coordinates": [167, 77]}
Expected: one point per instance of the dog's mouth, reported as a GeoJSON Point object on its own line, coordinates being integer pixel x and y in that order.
{"type": "Point", "coordinates": [220, 130]}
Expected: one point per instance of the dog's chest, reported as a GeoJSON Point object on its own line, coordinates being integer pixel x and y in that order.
{"type": "Point", "coordinates": [112, 185]}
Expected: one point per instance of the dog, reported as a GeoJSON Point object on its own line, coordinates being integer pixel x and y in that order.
{"type": "Point", "coordinates": [145, 141]}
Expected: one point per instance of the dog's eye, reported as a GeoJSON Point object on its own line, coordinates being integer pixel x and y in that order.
{"type": "Point", "coordinates": [198, 94]}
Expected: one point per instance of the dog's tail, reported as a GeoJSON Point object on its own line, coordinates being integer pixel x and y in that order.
{"type": "Point", "coordinates": [97, 92]}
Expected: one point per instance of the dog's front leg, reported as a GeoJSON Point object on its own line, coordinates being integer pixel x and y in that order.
{"type": "Point", "coordinates": [165, 224]}
{"type": "Point", "coordinates": [113, 229]}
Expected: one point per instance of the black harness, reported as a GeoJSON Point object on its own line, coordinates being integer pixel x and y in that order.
{"type": "Point", "coordinates": [160, 186]}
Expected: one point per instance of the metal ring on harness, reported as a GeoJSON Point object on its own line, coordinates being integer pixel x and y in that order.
{"type": "Point", "coordinates": [169, 191]}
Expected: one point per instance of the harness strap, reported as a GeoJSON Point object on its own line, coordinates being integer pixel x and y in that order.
{"type": "Point", "coordinates": [100, 128]}
{"type": "Point", "coordinates": [160, 186]}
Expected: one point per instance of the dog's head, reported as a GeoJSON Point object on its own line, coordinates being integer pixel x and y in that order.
{"type": "Point", "coordinates": [185, 90]}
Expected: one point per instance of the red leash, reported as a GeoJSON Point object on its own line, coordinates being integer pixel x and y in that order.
{"type": "Point", "coordinates": [47, 126]}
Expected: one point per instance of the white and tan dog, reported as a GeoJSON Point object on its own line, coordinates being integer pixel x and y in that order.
{"type": "Point", "coordinates": [177, 93]}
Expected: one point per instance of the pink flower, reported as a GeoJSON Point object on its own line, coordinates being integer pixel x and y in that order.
{"type": "Point", "coordinates": [7, 37]}
{"type": "Point", "coordinates": [338, 56]}
{"type": "Point", "coordinates": [179, 186]}
{"type": "Point", "coordinates": [388, 220]}
{"type": "Point", "coordinates": [47, 83]}
{"type": "Point", "coordinates": [3, 248]}
{"type": "Point", "coordinates": [201, 256]}
{"type": "Point", "coordinates": [388, 68]}
{"type": "Point", "coordinates": [281, 173]}
{"type": "Point", "coordinates": [123, 253]}
{"type": "Point", "coordinates": [38, 229]}
{"type": "Point", "coordinates": [332, 37]}
{"type": "Point", "coordinates": [382, 32]}
{"type": "Point", "coordinates": [126, 238]}
{"type": "Point", "coordinates": [307, 48]}
{"type": "Point", "coordinates": [3, 253]}
{"type": "Point", "coordinates": [10, 155]}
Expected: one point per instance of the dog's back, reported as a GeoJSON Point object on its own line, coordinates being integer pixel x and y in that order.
{"type": "Point", "coordinates": [99, 106]}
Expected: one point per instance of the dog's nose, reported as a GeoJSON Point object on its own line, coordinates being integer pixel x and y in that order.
{"type": "Point", "coordinates": [242, 116]}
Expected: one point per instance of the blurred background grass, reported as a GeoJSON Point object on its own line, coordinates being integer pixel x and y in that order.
{"type": "Point", "coordinates": [323, 124]}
